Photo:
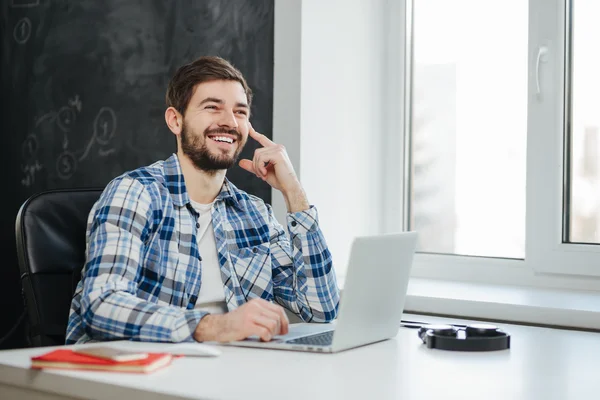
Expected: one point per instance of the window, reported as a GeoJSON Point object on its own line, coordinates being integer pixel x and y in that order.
{"type": "Point", "coordinates": [500, 152]}
{"type": "Point", "coordinates": [469, 126]}
{"type": "Point", "coordinates": [584, 115]}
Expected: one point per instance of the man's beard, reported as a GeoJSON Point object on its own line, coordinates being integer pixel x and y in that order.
{"type": "Point", "coordinates": [201, 156]}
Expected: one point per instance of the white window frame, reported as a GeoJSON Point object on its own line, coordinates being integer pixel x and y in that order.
{"type": "Point", "coordinates": [548, 262]}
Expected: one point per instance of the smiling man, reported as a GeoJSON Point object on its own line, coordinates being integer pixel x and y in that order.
{"type": "Point", "coordinates": [175, 252]}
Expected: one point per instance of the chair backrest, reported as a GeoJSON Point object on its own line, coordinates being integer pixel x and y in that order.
{"type": "Point", "coordinates": [51, 230]}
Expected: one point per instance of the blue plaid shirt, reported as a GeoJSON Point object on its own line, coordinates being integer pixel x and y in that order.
{"type": "Point", "coordinates": [143, 271]}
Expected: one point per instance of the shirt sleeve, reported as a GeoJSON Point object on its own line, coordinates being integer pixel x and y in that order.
{"type": "Point", "coordinates": [304, 280]}
{"type": "Point", "coordinates": [110, 306]}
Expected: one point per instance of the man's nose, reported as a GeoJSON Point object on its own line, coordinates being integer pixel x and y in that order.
{"type": "Point", "coordinates": [228, 120]}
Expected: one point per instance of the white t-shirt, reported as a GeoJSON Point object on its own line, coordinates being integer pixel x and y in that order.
{"type": "Point", "coordinates": [211, 297]}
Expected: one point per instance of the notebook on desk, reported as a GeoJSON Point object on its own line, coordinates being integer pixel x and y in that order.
{"type": "Point", "coordinates": [372, 301]}
{"type": "Point", "coordinates": [66, 358]}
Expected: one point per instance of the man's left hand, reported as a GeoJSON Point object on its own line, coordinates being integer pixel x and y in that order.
{"type": "Point", "coordinates": [272, 164]}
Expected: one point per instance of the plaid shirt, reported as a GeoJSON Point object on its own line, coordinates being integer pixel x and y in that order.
{"type": "Point", "coordinates": [143, 271]}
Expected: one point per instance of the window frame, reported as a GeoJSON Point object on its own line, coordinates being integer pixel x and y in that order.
{"type": "Point", "coordinates": [549, 262]}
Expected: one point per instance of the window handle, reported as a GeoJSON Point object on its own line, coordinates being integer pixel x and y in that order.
{"type": "Point", "coordinates": [542, 51]}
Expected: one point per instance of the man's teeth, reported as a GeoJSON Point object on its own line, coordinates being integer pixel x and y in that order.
{"type": "Point", "coordinates": [223, 139]}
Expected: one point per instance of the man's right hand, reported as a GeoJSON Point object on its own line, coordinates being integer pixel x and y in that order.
{"type": "Point", "coordinates": [257, 317]}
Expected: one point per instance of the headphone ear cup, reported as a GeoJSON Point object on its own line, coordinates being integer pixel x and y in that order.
{"type": "Point", "coordinates": [481, 330]}
{"type": "Point", "coordinates": [422, 332]}
{"type": "Point", "coordinates": [442, 330]}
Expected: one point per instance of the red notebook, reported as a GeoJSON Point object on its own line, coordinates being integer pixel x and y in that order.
{"type": "Point", "coordinates": [67, 359]}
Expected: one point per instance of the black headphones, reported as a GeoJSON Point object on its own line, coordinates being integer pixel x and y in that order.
{"type": "Point", "coordinates": [475, 337]}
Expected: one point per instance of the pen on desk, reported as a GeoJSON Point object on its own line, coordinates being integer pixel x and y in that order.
{"type": "Point", "coordinates": [416, 325]}
{"type": "Point", "coordinates": [411, 324]}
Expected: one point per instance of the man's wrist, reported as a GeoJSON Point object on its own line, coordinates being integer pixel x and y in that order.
{"type": "Point", "coordinates": [295, 199]}
{"type": "Point", "coordinates": [206, 330]}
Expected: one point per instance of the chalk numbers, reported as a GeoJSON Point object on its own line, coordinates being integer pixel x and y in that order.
{"type": "Point", "coordinates": [22, 30]}
{"type": "Point", "coordinates": [105, 125]}
{"type": "Point", "coordinates": [66, 118]}
{"type": "Point", "coordinates": [30, 147]}
{"type": "Point", "coordinates": [66, 165]}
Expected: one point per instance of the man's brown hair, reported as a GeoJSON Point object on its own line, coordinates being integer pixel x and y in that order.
{"type": "Point", "coordinates": [204, 69]}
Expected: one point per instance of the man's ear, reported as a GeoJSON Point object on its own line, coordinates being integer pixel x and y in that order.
{"type": "Point", "coordinates": [174, 120]}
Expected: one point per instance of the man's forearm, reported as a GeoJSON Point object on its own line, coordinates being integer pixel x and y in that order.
{"type": "Point", "coordinates": [157, 323]}
{"type": "Point", "coordinates": [309, 290]}
{"type": "Point", "coordinates": [296, 200]}
{"type": "Point", "coordinates": [209, 329]}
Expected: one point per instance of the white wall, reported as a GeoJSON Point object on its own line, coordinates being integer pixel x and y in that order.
{"type": "Point", "coordinates": [333, 131]}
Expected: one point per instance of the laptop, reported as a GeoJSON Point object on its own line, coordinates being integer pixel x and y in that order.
{"type": "Point", "coordinates": [371, 303]}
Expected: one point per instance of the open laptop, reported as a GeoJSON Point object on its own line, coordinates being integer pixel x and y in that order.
{"type": "Point", "coordinates": [371, 303]}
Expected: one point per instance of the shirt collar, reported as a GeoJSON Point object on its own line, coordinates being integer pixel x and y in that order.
{"type": "Point", "coordinates": [176, 186]}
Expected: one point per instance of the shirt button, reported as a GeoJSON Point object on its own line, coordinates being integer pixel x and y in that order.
{"type": "Point", "coordinates": [294, 223]}
{"type": "Point", "coordinates": [198, 225]}
{"type": "Point", "coordinates": [254, 250]}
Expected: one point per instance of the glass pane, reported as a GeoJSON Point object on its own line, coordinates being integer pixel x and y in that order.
{"type": "Point", "coordinates": [469, 124]}
{"type": "Point", "coordinates": [585, 177]}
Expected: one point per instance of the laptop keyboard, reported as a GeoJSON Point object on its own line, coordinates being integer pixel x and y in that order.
{"type": "Point", "coordinates": [320, 339]}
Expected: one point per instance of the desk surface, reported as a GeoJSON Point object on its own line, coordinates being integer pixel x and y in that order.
{"type": "Point", "coordinates": [542, 363]}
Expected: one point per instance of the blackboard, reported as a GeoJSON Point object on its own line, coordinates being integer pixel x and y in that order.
{"type": "Point", "coordinates": [83, 86]}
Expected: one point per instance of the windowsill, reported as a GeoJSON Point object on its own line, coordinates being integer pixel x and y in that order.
{"type": "Point", "coordinates": [515, 304]}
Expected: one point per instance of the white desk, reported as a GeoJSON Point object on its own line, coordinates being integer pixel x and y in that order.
{"type": "Point", "coordinates": [541, 364]}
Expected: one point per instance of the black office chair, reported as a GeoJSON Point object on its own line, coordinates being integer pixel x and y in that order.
{"type": "Point", "coordinates": [50, 231]}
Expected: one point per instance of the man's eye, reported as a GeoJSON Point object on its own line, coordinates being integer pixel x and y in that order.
{"type": "Point", "coordinates": [211, 107]}
{"type": "Point", "coordinates": [242, 112]}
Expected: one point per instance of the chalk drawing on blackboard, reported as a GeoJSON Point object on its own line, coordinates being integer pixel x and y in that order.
{"type": "Point", "coordinates": [66, 118]}
{"type": "Point", "coordinates": [22, 30]}
{"type": "Point", "coordinates": [30, 170]}
{"type": "Point", "coordinates": [24, 3]}
{"type": "Point", "coordinates": [46, 117]}
{"type": "Point", "coordinates": [75, 103]}
{"type": "Point", "coordinates": [104, 153]}
{"type": "Point", "coordinates": [30, 147]}
{"type": "Point", "coordinates": [66, 165]}
{"type": "Point", "coordinates": [87, 149]}
{"type": "Point", "coordinates": [105, 125]}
